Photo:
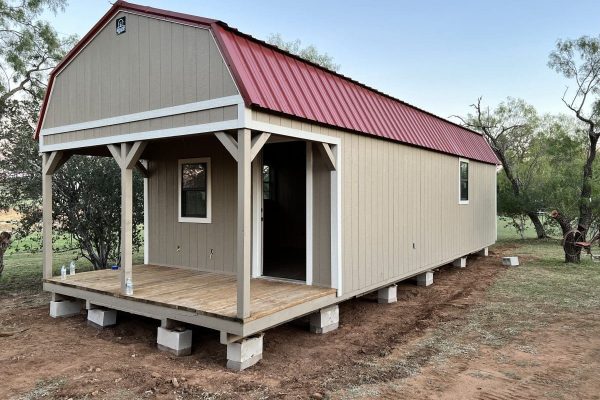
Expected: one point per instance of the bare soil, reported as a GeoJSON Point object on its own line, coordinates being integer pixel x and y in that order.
{"type": "Point", "coordinates": [376, 353]}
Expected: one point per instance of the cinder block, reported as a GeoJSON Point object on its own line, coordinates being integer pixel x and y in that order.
{"type": "Point", "coordinates": [245, 352]}
{"type": "Point", "coordinates": [483, 252]}
{"type": "Point", "coordinates": [101, 318]}
{"type": "Point", "coordinates": [460, 262]}
{"type": "Point", "coordinates": [425, 279]}
{"type": "Point", "coordinates": [64, 308]}
{"type": "Point", "coordinates": [387, 295]}
{"type": "Point", "coordinates": [175, 342]}
{"type": "Point", "coordinates": [325, 320]}
{"type": "Point", "coordinates": [510, 261]}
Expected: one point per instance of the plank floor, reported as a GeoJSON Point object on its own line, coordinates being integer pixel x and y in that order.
{"type": "Point", "coordinates": [201, 292]}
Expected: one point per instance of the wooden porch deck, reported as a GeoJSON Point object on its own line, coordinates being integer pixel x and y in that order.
{"type": "Point", "coordinates": [204, 293]}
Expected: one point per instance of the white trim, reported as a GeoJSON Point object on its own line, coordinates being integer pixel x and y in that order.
{"type": "Point", "coordinates": [309, 214]}
{"type": "Point", "coordinates": [336, 222]}
{"type": "Point", "coordinates": [146, 135]}
{"type": "Point", "coordinates": [285, 131]}
{"type": "Point", "coordinates": [257, 205]}
{"type": "Point", "coordinates": [146, 218]}
{"type": "Point", "coordinates": [464, 160]}
{"type": "Point", "coordinates": [144, 115]}
{"type": "Point", "coordinates": [206, 220]}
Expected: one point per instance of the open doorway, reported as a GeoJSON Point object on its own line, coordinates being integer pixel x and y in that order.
{"type": "Point", "coordinates": [284, 210]}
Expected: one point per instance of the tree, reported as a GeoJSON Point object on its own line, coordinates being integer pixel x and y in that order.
{"type": "Point", "coordinates": [579, 61]}
{"type": "Point", "coordinates": [29, 48]}
{"type": "Point", "coordinates": [87, 201]}
{"type": "Point", "coordinates": [511, 130]}
{"type": "Point", "coordinates": [4, 243]}
{"type": "Point", "coordinates": [309, 53]}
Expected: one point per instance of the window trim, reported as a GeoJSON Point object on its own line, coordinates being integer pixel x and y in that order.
{"type": "Point", "coordinates": [460, 161]}
{"type": "Point", "coordinates": [196, 220]}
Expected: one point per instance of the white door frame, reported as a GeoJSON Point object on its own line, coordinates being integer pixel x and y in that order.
{"type": "Point", "coordinates": [257, 215]}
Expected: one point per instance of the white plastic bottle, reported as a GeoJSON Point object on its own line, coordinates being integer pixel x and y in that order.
{"type": "Point", "coordinates": [63, 273]}
{"type": "Point", "coordinates": [72, 268]}
{"type": "Point", "coordinates": [129, 287]}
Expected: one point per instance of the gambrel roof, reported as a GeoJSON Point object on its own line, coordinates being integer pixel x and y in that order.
{"type": "Point", "coordinates": [275, 81]}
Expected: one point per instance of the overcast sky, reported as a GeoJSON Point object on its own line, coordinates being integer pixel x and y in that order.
{"type": "Point", "coordinates": [438, 55]}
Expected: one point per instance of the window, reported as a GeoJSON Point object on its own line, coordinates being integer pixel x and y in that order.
{"type": "Point", "coordinates": [194, 190]}
{"type": "Point", "coordinates": [463, 170]}
{"type": "Point", "coordinates": [268, 182]}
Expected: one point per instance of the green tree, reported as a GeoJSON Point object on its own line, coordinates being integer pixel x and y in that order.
{"type": "Point", "coordinates": [309, 53]}
{"type": "Point", "coordinates": [87, 201]}
{"type": "Point", "coordinates": [512, 131]}
{"type": "Point", "coordinates": [579, 61]}
{"type": "Point", "coordinates": [29, 48]}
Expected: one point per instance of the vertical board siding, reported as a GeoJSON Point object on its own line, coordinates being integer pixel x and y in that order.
{"type": "Point", "coordinates": [321, 222]}
{"type": "Point", "coordinates": [155, 64]}
{"type": "Point", "coordinates": [395, 195]}
{"type": "Point", "coordinates": [194, 240]}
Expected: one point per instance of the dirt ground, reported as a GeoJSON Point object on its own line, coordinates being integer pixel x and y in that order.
{"type": "Point", "coordinates": [379, 351]}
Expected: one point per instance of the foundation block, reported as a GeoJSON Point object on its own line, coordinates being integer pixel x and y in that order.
{"type": "Point", "coordinates": [325, 320]}
{"type": "Point", "coordinates": [460, 262]}
{"type": "Point", "coordinates": [483, 252]}
{"type": "Point", "coordinates": [175, 342]}
{"type": "Point", "coordinates": [510, 261]}
{"type": "Point", "coordinates": [64, 308]}
{"type": "Point", "coordinates": [100, 318]}
{"type": "Point", "coordinates": [387, 295]}
{"type": "Point", "coordinates": [245, 352]}
{"type": "Point", "coordinates": [425, 279]}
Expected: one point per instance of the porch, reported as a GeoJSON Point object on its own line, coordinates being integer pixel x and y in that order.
{"type": "Point", "coordinates": [203, 294]}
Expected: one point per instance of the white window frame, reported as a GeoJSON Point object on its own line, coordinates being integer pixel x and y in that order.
{"type": "Point", "coordinates": [208, 218]}
{"type": "Point", "coordinates": [460, 201]}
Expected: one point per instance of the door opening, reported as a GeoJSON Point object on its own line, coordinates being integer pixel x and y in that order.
{"type": "Point", "coordinates": [284, 210]}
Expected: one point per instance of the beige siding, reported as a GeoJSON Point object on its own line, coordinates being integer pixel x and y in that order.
{"type": "Point", "coordinates": [321, 221]}
{"type": "Point", "coordinates": [193, 118]}
{"type": "Point", "coordinates": [194, 240]}
{"type": "Point", "coordinates": [155, 64]}
{"type": "Point", "coordinates": [394, 196]}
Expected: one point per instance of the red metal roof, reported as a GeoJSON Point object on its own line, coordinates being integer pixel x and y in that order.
{"type": "Point", "coordinates": [276, 81]}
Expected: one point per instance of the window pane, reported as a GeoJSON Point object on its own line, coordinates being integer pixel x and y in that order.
{"type": "Point", "coordinates": [464, 170]}
{"type": "Point", "coordinates": [464, 190]}
{"type": "Point", "coordinates": [193, 176]}
{"type": "Point", "coordinates": [193, 204]}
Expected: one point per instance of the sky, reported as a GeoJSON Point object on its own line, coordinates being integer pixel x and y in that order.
{"type": "Point", "coordinates": [437, 55]}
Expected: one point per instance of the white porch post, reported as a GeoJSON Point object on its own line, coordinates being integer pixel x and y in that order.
{"type": "Point", "coordinates": [127, 155]}
{"type": "Point", "coordinates": [244, 223]}
{"type": "Point", "coordinates": [126, 219]}
{"type": "Point", "coordinates": [50, 163]}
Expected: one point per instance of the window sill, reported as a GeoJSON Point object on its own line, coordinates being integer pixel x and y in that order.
{"type": "Point", "coordinates": [195, 220]}
{"type": "Point", "coordinates": [463, 202]}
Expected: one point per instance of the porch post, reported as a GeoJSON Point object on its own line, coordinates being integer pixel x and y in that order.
{"type": "Point", "coordinates": [50, 163]}
{"type": "Point", "coordinates": [127, 156]}
{"type": "Point", "coordinates": [126, 219]}
{"type": "Point", "coordinates": [244, 223]}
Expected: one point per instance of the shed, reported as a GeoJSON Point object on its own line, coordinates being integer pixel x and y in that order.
{"type": "Point", "coordinates": [274, 188]}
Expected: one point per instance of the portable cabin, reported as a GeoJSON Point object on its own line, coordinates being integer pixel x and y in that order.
{"type": "Point", "coordinates": [274, 188]}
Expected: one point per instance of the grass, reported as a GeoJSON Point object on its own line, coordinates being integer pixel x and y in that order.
{"type": "Point", "coordinates": [23, 269]}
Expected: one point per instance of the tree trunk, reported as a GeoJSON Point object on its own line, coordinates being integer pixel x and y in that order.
{"type": "Point", "coordinates": [539, 227]}
{"type": "Point", "coordinates": [570, 236]}
{"type": "Point", "coordinates": [585, 207]}
{"type": "Point", "coordinates": [4, 243]}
